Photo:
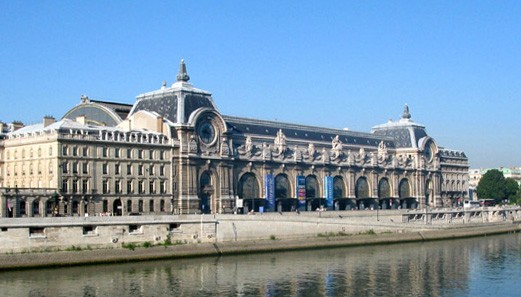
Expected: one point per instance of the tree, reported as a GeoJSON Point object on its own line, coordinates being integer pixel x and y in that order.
{"type": "Point", "coordinates": [492, 185]}
{"type": "Point", "coordinates": [512, 188]}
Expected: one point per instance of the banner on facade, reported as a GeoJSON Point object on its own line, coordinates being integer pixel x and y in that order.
{"type": "Point", "coordinates": [329, 190]}
{"type": "Point", "coordinates": [301, 189]}
{"type": "Point", "coordinates": [269, 191]}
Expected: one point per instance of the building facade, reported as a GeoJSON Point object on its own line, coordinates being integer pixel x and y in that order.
{"type": "Point", "coordinates": [172, 151]}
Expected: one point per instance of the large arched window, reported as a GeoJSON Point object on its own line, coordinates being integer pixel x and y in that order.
{"type": "Point", "coordinates": [281, 186]}
{"type": "Point", "coordinates": [362, 188]}
{"type": "Point", "coordinates": [405, 189]}
{"type": "Point", "coordinates": [312, 187]}
{"type": "Point", "coordinates": [384, 190]}
{"type": "Point", "coordinates": [338, 187]}
{"type": "Point", "coordinates": [248, 186]}
{"type": "Point", "coordinates": [206, 180]}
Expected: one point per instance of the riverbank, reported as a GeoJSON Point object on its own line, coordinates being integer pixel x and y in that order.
{"type": "Point", "coordinates": [131, 253]}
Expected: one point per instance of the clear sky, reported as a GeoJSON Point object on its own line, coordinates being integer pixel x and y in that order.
{"type": "Point", "coordinates": [337, 64]}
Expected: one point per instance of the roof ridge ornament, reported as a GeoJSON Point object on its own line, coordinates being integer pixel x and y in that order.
{"type": "Point", "coordinates": [182, 75]}
{"type": "Point", "coordinates": [406, 114]}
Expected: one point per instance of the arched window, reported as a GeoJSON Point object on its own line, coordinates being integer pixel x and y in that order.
{"type": "Point", "coordinates": [405, 190]}
{"type": "Point", "coordinates": [338, 187]}
{"type": "Point", "coordinates": [312, 187]}
{"type": "Point", "coordinates": [248, 186]}
{"type": "Point", "coordinates": [206, 180]}
{"type": "Point", "coordinates": [362, 188]}
{"type": "Point", "coordinates": [281, 186]}
{"type": "Point", "coordinates": [384, 190]}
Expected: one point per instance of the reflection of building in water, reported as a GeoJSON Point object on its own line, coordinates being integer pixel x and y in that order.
{"type": "Point", "coordinates": [173, 151]}
{"type": "Point", "coordinates": [442, 268]}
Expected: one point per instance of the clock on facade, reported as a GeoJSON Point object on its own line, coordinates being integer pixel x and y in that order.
{"type": "Point", "coordinates": [206, 132]}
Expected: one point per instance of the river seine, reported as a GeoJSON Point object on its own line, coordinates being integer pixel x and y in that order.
{"type": "Point", "coordinates": [486, 266]}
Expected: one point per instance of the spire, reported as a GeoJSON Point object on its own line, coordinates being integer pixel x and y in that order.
{"type": "Point", "coordinates": [182, 75]}
{"type": "Point", "coordinates": [406, 114]}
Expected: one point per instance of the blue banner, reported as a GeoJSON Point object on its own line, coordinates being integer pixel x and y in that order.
{"type": "Point", "coordinates": [301, 189]}
{"type": "Point", "coordinates": [269, 191]}
{"type": "Point", "coordinates": [329, 193]}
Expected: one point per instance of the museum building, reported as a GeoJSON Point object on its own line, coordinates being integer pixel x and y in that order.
{"type": "Point", "coordinates": [173, 152]}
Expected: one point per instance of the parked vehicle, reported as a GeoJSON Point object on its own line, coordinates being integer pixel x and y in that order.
{"type": "Point", "coordinates": [487, 202]}
{"type": "Point", "coordinates": [471, 204]}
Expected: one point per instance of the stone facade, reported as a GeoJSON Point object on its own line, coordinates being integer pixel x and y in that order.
{"type": "Point", "coordinates": [174, 152]}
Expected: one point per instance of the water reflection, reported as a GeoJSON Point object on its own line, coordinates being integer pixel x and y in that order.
{"type": "Point", "coordinates": [471, 267]}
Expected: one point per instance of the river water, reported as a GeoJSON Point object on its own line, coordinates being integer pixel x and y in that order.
{"type": "Point", "coordinates": [486, 266]}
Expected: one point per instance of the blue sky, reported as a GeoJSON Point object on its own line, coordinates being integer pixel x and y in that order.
{"type": "Point", "coordinates": [457, 64]}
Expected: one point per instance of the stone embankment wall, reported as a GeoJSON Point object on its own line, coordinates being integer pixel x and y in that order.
{"type": "Point", "coordinates": [21, 235]}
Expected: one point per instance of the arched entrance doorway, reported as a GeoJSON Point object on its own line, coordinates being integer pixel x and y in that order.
{"type": "Point", "coordinates": [282, 193]}
{"type": "Point", "coordinates": [362, 194]}
{"type": "Point", "coordinates": [384, 194]}
{"type": "Point", "coordinates": [313, 198]}
{"type": "Point", "coordinates": [205, 193]}
{"type": "Point", "coordinates": [404, 191]}
{"type": "Point", "coordinates": [117, 207]}
{"type": "Point", "coordinates": [248, 190]}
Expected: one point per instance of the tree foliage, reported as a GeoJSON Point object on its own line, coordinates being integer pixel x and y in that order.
{"type": "Point", "coordinates": [512, 188]}
{"type": "Point", "coordinates": [492, 185]}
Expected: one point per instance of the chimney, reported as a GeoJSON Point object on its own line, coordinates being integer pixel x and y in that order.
{"type": "Point", "coordinates": [15, 126]}
{"type": "Point", "coordinates": [81, 119]}
{"type": "Point", "coordinates": [48, 120]}
{"type": "Point", "coordinates": [159, 124]}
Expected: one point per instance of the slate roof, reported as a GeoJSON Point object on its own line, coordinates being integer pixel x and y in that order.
{"type": "Point", "coordinates": [304, 133]}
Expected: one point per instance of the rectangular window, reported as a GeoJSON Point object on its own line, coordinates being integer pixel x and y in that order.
{"type": "Point", "coordinates": [75, 186]}
{"type": "Point", "coordinates": [104, 152]}
{"type": "Point", "coordinates": [75, 167]}
{"type": "Point", "coordinates": [64, 167]}
{"type": "Point", "coordinates": [151, 154]}
{"type": "Point", "coordinates": [134, 229]}
{"type": "Point", "coordinates": [85, 167]}
{"type": "Point", "coordinates": [75, 151]}
{"type": "Point", "coordinates": [151, 170]}
{"type": "Point", "coordinates": [129, 153]}
{"type": "Point", "coordinates": [105, 206]}
{"type": "Point", "coordinates": [140, 154]}
{"type": "Point", "coordinates": [105, 169]}
{"type": "Point", "coordinates": [90, 230]}
{"type": "Point", "coordinates": [161, 155]}
{"type": "Point", "coordinates": [116, 152]}
{"type": "Point", "coordinates": [117, 169]}
{"type": "Point", "coordinates": [162, 170]}
{"type": "Point", "coordinates": [151, 205]}
{"type": "Point", "coordinates": [129, 169]}
{"type": "Point", "coordinates": [129, 187]}
{"type": "Point", "coordinates": [140, 206]}
{"type": "Point", "coordinates": [163, 187]}
{"type": "Point", "coordinates": [105, 186]}
{"type": "Point", "coordinates": [141, 187]}
{"type": "Point", "coordinates": [64, 150]}
{"type": "Point", "coordinates": [162, 205]}
{"type": "Point", "coordinates": [36, 232]}
{"type": "Point", "coordinates": [84, 186]}
{"type": "Point", "coordinates": [140, 170]}
{"type": "Point", "coordinates": [65, 186]}
{"type": "Point", "coordinates": [85, 151]}
{"type": "Point", "coordinates": [151, 189]}
{"type": "Point", "coordinates": [117, 186]}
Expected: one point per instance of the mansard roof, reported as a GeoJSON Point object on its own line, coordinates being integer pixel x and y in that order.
{"type": "Point", "coordinates": [175, 103]}
{"type": "Point", "coordinates": [405, 132]}
{"type": "Point", "coordinates": [304, 133]}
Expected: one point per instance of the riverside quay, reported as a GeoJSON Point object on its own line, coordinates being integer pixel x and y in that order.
{"type": "Point", "coordinates": [173, 152]}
